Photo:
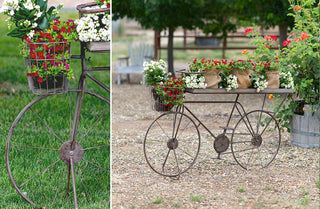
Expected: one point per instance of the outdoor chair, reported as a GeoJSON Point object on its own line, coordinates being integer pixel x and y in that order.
{"type": "Point", "coordinates": [133, 64]}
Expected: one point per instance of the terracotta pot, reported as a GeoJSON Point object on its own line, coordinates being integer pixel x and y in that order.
{"type": "Point", "coordinates": [212, 78]}
{"type": "Point", "coordinates": [242, 77]}
{"type": "Point", "coordinates": [273, 79]}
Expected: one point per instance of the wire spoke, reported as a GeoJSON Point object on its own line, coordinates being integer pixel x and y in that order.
{"type": "Point", "coordinates": [60, 182]}
{"type": "Point", "coordinates": [95, 165]}
{"type": "Point", "coordinates": [40, 172]}
{"type": "Point", "coordinates": [185, 152]}
{"type": "Point", "coordinates": [94, 124]}
{"type": "Point", "coordinates": [46, 125]}
{"type": "Point", "coordinates": [85, 189]}
{"type": "Point", "coordinates": [162, 129]}
{"type": "Point", "coordinates": [175, 156]}
{"type": "Point", "coordinates": [30, 147]}
{"type": "Point", "coordinates": [105, 145]}
{"type": "Point", "coordinates": [165, 160]}
{"type": "Point", "coordinates": [183, 129]}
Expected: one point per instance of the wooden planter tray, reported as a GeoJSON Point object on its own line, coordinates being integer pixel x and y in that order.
{"type": "Point", "coordinates": [239, 91]}
{"type": "Point", "coordinates": [98, 46]}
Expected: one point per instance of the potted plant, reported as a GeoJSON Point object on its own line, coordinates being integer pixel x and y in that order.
{"type": "Point", "coordinates": [170, 93]}
{"type": "Point", "coordinates": [94, 28]}
{"type": "Point", "coordinates": [241, 69]}
{"type": "Point", "coordinates": [46, 43]}
{"type": "Point", "coordinates": [266, 71]}
{"type": "Point", "coordinates": [207, 68]}
{"type": "Point", "coordinates": [301, 56]}
{"type": "Point", "coordinates": [47, 57]}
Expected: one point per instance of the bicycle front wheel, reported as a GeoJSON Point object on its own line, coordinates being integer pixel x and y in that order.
{"type": "Point", "coordinates": [38, 147]}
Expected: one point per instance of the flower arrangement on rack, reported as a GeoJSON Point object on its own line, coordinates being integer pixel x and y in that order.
{"type": "Point", "coordinates": [94, 27]}
{"type": "Point", "coordinates": [48, 52]}
{"type": "Point", "coordinates": [266, 71]}
{"type": "Point", "coordinates": [171, 91]}
{"type": "Point", "coordinates": [155, 72]}
{"type": "Point", "coordinates": [28, 16]}
{"type": "Point", "coordinates": [234, 74]}
{"type": "Point", "coordinates": [103, 3]}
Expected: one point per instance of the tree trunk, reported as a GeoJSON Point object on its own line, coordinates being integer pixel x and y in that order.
{"type": "Point", "coordinates": [170, 51]}
{"type": "Point", "coordinates": [283, 30]}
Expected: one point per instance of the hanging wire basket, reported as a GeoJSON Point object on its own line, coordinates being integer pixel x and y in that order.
{"type": "Point", "coordinates": [47, 66]}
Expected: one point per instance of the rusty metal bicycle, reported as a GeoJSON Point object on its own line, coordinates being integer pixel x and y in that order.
{"type": "Point", "coordinates": [58, 147]}
{"type": "Point", "coordinates": [172, 141]}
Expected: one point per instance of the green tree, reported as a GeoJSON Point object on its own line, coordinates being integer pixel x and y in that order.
{"type": "Point", "coordinates": [266, 14]}
{"type": "Point", "coordinates": [162, 15]}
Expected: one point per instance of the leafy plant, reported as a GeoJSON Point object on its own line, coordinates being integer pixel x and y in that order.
{"type": "Point", "coordinates": [155, 72]}
{"type": "Point", "coordinates": [196, 198]}
{"type": "Point", "coordinates": [158, 200]}
{"type": "Point", "coordinates": [27, 16]}
{"type": "Point", "coordinates": [171, 91]}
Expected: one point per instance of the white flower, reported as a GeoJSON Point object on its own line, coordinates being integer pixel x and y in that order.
{"type": "Point", "coordinates": [28, 5]}
{"type": "Point", "coordinates": [30, 35]}
{"type": "Point", "coordinates": [26, 23]}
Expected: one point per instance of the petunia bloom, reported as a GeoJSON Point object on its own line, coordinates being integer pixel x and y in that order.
{"type": "Point", "coordinates": [286, 43]}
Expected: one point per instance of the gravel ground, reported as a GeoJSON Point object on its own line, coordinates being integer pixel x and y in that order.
{"type": "Point", "coordinates": [289, 182]}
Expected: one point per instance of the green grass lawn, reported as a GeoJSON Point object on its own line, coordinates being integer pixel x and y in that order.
{"type": "Point", "coordinates": [31, 131]}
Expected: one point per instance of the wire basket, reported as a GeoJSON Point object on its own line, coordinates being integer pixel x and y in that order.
{"type": "Point", "coordinates": [47, 66]}
{"type": "Point", "coordinates": [158, 103]}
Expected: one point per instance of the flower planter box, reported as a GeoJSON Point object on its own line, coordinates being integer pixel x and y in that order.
{"type": "Point", "coordinates": [98, 46]}
{"type": "Point", "coordinates": [157, 104]}
{"type": "Point", "coordinates": [305, 129]}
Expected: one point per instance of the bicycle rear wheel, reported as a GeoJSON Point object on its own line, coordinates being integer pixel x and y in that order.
{"type": "Point", "coordinates": [38, 147]}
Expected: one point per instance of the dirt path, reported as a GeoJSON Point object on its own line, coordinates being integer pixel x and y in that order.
{"type": "Point", "coordinates": [289, 182]}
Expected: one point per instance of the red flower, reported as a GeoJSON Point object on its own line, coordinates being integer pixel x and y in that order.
{"type": "Point", "coordinates": [286, 43]}
{"type": "Point", "coordinates": [40, 80]}
{"type": "Point", "coordinates": [63, 29]}
{"type": "Point", "coordinates": [55, 28]}
{"type": "Point", "coordinates": [40, 55]}
{"type": "Point", "coordinates": [297, 8]}
{"type": "Point", "coordinates": [247, 31]}
{"type": "Point", "coordinates": [274, 38]}
{"type": "Point", "coordinates": [32, 54]}
{"type": "Point", "coordinates": [304, 35]}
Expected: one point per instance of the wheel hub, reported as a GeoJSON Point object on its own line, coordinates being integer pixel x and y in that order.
{"type": "Point", "coordinates": [66, 152]}
{"type": "Point", "coordinates": [221, 143]}
{"type": "Point", "coordinates": [256, 140]}
{"type": "Point", "coordinates": [172, 143]}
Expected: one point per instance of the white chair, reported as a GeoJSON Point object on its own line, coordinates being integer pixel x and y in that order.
{"type": "Point", "coordinates": [133, 64]}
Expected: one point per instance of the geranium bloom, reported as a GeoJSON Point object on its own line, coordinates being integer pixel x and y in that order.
{"type": "Point", "coordinates": [267, 37]}
{"type": "Point", "coordinates": [304, 35]}
{"type": "Point", "coordinates": [274, 38]}
{"type": "Point", "coordinates": [286, 43]}
{"type": "Point", "coordinates": [40, 80]}
{"type": "Point", "coordinates": [297, 8]}
{"type": "Point", "coordinates": [244, 51]}
{"type": "Point", "coordinates": [248, 30]}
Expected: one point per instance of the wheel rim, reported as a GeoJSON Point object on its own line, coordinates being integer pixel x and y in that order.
{"type": "Point", "coordinates": [34, 151]}
{"type": "Point", "coordinates": [255, 140]}
{"type": "Point", "coordinates": [171, 144]}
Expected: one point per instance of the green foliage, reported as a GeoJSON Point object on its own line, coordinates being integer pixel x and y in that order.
{"type": "Point", "coordinates": [196, 198]}
{"type": "Point", "coordinates": [241, 190]}
{"type": "Point", "coordinates": [158, 201]}
{"type": "Point", "coordinates": [27, 16]}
